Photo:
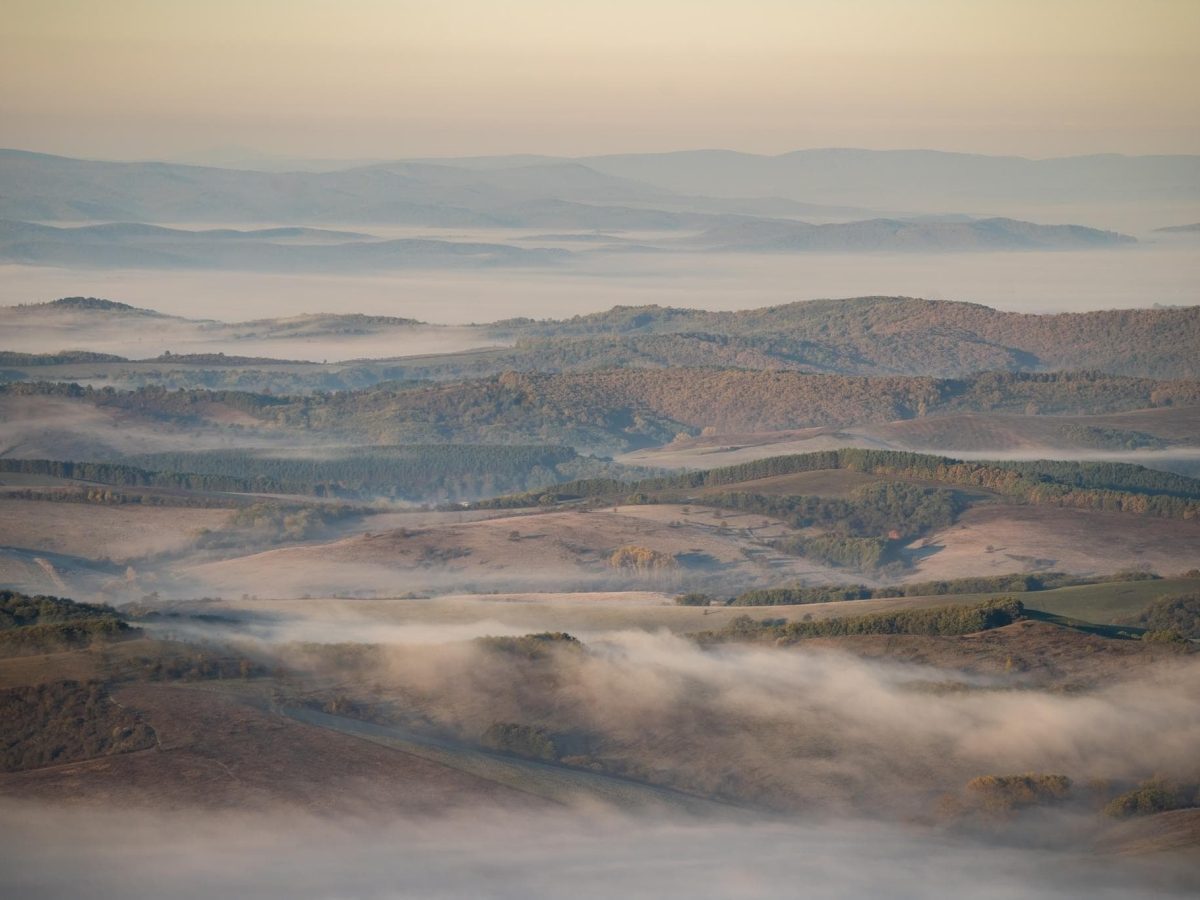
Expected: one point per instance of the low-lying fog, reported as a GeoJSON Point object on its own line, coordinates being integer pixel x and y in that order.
{"type": "Point", "coordinates": [50, 854]}
{"type": "Point", "coordinates": [1038, 282]}
{"type": "Point", "coordinates": [807, 722]}
{"type": "Point", "coordinates": [832, 731]}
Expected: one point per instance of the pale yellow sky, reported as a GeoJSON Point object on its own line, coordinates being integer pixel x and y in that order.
{"type": "Point", "coordinates": [140, 78]}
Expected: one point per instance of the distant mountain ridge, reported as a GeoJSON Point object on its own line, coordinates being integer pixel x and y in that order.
{"type": "Point", "coordinates": [693, 190]}
{"type": "Point", "coordinates": [297, 249]}
{"type": "Point", "coordinates": [44, 188]}
{"type": "Point", "coordinates": [135, 245]}
{"type": "Point", "coordinates": [890, 234]}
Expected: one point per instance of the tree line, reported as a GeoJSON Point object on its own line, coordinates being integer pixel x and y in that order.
{"type": "Point", "coordinates": [1128, 488]}
{"type": "Point", "coordinates": [411, 472]}
{"type": "Point", "coordinates": [935, 620]}
{"type": "Point", "coordinates": [980, 584]}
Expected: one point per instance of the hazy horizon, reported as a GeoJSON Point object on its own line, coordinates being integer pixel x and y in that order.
{"type": "Point", "coordinates": [469, 77]}
{"type": "Point", "coordinates": [652, 449]}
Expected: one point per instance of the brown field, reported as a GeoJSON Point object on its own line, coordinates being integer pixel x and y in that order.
{"type": "Point", "coordinates": [94, 532]}
{"type": "Point", "coordinates": [554, 550]}
{"type": "Point", "coordinates": [1031, 539]}
{"type": "Point", "coordinates": [568, 550]}
{"type": "Point", "coordinates": [1000, 432]}
{"type": "Point", "coordinates": [218, 751]}
{"type": "Point", "coordinates": [1177, 831]}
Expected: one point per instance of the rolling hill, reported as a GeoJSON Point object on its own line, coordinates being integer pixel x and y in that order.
{"type": "Point", "coordinates": [861, 336]}
{"type": "Point", "coordinates": [599, 412]}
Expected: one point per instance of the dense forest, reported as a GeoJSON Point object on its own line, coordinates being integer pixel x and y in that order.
{"type": "Point", "coordinates": [122, 475]}
{"type": "Point", "coordinates": [410, 471]}
{"type": "Point", "coordinates": [612, 410]}
{"type": "Point", "coordinates": [904, 335]}
{"type": "Point", "coordinates": [64, 721]}
{"type": "Point", "coordinates": [425, 472]}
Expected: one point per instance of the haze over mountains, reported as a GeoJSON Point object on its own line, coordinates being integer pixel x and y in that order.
{"type": "Point", "coordinates": [493, 237]}
{"type": "Point", "coordinates": [506, 511]}
{"type": "Point", "coordinates": [122, 246]}
{"type": "Point", "coordinates": [839, 175]}
{"type": "Point", "coordinates": [654, 191]}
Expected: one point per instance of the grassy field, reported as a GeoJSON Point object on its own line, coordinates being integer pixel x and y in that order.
{"type": "Point", "coordinates": [1102, 603]}
{"type": "Point", "coordinates": [590, 614]}
{"type": "Point", "coordinates": [998, 433]}
{"type": "Point", "coordinates": [93, 531]}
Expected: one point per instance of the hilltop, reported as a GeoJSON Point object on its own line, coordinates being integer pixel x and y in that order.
{"type": "Point", "coordinates": [859, 336]}
{"type": "Point", "coordinates": [601, 412]}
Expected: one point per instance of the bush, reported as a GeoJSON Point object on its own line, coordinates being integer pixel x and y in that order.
{"type": "Point", "coordinates": [1007, 793]}
{"type": "Point", "coordinates": [1151, 797]}
{"type": "Point", "coordinates": [519, 740]}
{"type": "Point", "coordinates": [693, 600]}
{"type": "Point", "coordinates": [19, 610]}
{"type": "Point", "coordinates": [643, 560]}
{"type": "Point", "coordinates": [52, 638]}
{"type": "Point", "coordinates": [530, 646]}
{"type": "Point", "coordinates": [1163, 637]}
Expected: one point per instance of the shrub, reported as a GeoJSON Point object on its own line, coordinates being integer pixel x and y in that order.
{"type": "Point", "coordinates": [1007, 793]}
{"type": "Point", "coordinates": [34, 639]}
{"type": "Point", "coordinates": [643, 560]}
{"type": "Point", "coordinates": [519, 740]}
{"type": "Point", "coordinates": [530, 646]}
{"type": "Point", "coordinates": [1151, 797]}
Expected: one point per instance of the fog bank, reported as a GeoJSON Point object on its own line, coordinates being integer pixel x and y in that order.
{"type": "Point", "coordinates": [1022, 282]}
{"type": "Point", "coordinates": [51, 853]}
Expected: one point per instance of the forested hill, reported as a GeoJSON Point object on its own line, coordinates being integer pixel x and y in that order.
{"type": "Point", "coordinates": [892, 335]}
{"type": "Point", "coordinates": [408, 472]}
{"type": "Point", "coordinates": [614, 410]}
{"type": "Point", "coordinates": [862, 336]}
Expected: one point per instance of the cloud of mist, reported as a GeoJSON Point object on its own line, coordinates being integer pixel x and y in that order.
{"type": "Point", "coordinates": [148, 337]}
{"type": "Point", "coordinates": [1019, 282]}
{"type": "Point", "coordinates": [54, 853]}
{"type": "Point", "coordinates": [788, 729]}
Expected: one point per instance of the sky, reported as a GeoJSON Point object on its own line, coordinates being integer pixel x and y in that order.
{"type": "Point", "coordinates": [400, 78]}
